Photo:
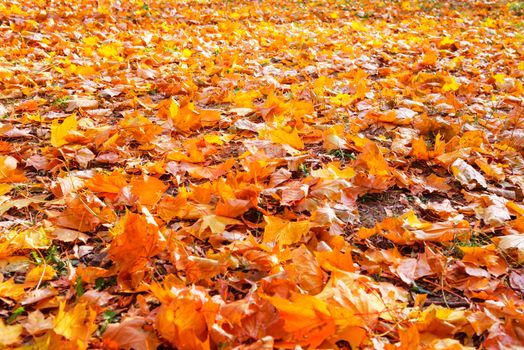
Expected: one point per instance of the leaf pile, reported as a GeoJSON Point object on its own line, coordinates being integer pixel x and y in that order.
{"type": "Point", "coordinates": [261, 174]}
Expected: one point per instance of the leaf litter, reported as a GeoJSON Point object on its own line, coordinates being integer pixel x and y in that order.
{"type": "Point", "coordinates": [302, 174]}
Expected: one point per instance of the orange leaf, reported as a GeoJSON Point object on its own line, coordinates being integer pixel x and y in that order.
{"type": "Point", "coordinates": [373, 160]}
{"type": "Point", "coordinates": [107, 183]}
{"type": "Point", "coordinates": [9, 289]}
{"type": "Point", "coordinates": [185, 316]}
{"type": "Point", "coordinates": [148, 189]}
{"type": "Point", "coordinates": [8, 171]}
{"type": "Point", "coordinates": [90, 274]}
{"type": "Point", "coordinates": [136, 240]}
{"type": "Point", "coordinates": [419, 149]}
{"type": "Point", "coordinates": [307, 319]}
{"type": "Point", "coordinates": [305, 270]}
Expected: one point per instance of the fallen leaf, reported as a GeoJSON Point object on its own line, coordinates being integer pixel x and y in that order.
{"type": "Point", "coordinates": [10, 335]}
{"type": "Point", "coordinates": [284, 232]}
{"type": "Point", "coordinates": [136, 239]}
{"type": "Point", "coordinates": [129, 334]}
{"type": "Point", "coordinates": [76, 324]}
{"type": "Point", "coordinates": [287, 137]}
{"type": "Point", "coordinates": [512, 243]}
{"type": "Point", "coordinates": [59, 132]}
{"type": "Point", "coordinates": [9, 172]}
{"type": "Point", "coordinates": [467, 175]}
{"type": "Point", "coordinates": [36, 323]}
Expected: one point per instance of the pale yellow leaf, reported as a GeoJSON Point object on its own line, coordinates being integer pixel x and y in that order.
{"type": "Point", "coordinates": [9, 334]}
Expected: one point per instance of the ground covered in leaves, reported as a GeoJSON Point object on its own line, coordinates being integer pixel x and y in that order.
{"type": "Point", "coordinates": [261, 174]}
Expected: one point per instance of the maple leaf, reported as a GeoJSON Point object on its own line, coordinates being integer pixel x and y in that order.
{"type": "Point", "coordinates": [9, 289]}
{"type": "Point", "coordinates": [148, 189]}
{"type": "Point", "coordinates": [83, 214]}
{"type": "Point", "coordinates": [136, 239]}
{"type": "Point", "coordinates": [306, 270]}
{"type": "Point", "coordinates": [107, 183]}
{"type": "Point", "coordinates": [373, 160]}
{"type": "Point", "coordinates": [76, 325]}
{"type": "Point", "coordinates": [307, 320]}
{"type": "Point", "coordinates": [513, 242]}
{"type": "Point", "coordinates": [129, 334]}
{"type": "Point", "coordinates": [40, 273]}
{"type": "Point", "coordinates": [284, 232]}
{"type": "Point", "coordinates": [288, 137]}
{"type": "Point", "coordinates": [37, 322]}
{"type": "Point", "coordinates": [184, 316]}
{"type": "Point", "coordinates": [467, 175]}
{"type": "Point", "coordinates": [59, 132]}
{"type": "Point", "coordinates": [9, 335]}
{"type": "Point", "coordinates": [139, 128]}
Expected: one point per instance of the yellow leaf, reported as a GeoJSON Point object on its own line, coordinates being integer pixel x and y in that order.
{"type": "Point", "coordinates": [343, 100]}
{"type": "Point", "coordinates": [445, 42]}
{"type": "Point", "coordinates": [77, 324]}
{"type": "Point", "coordinates": [499, 78]}
{"type": "Point", "coordinates": [40, 273]}
{"type": "Point", "coordinates": [217, 224]}
{"type": "Point", "coordinates": [283, 231]}
{"type": "Point", "coordinates": [332, 171]}
{"type": "Point", "coordinates": [90, 40]}
{"type": "Point", "coordinates": [103, 10]}
{"type": "Point", "coordinates": [9, 289]}
{"type": "Point", "coordinates": [173, 109]}
{"type": "Point", "coordinates": [213, 139]}
{"type": "Point", "coordinates": [35, 117]}
{"type": "Point", "coordinates": [187, 53]}
{"type": "Point", "coordinates": [451, 84]}
{"type": "Point", "coordinates": [5, 188]}
{"type": "Point", "coordinates": [9, 334]}
{"type": "Point", "coordinates": [59, 132]}
{"type": "Point", "coordinates": [358, 26]}
{"type": "Point", "coordinates": [109, 51]}
{"type": "Point", "coordinates": [283, 136]}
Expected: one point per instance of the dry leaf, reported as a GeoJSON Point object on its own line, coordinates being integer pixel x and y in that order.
{"type": "Point", "coordinates": [129, 334]}
{"type": "Point", "coordinates": [512, 243]}
{"type": "Point", "coordinates": [467, 175]}
{"type": "Point", "coordinates": [59, 132]}
{"type": "Point", "coordinates": [9, 335]}
{"type": "Point", "coordinates": [284, 232]}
